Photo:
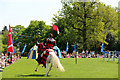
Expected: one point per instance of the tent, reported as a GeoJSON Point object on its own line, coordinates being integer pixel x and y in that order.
{"type": "Point", "coordinates": [33, 54]}
{"type": "Point", "coordinates": [55, 48]}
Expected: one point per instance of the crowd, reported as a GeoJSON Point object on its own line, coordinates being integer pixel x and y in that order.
{"type": "Point", "coordinates": [8, 59]}
{"type": "Point", "coordinates": [85, 54]}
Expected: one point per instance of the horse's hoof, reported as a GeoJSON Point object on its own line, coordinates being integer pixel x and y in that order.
{"type": "Point", "coordinates": [36, 70]}
{"type": "Point", "coordinates": [45, 75]}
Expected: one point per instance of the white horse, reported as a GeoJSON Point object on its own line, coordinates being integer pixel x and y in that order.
{"type": "Point", "coordinates": [55, 63]}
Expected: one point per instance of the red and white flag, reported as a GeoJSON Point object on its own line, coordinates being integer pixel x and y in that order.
{"type": "Point", "coordinates": [56, 29]}
{"type": "Point", "coordinates": [10, 44]}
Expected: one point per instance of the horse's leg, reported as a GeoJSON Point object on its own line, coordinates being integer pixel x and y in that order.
{"type": "Point", "coordinates": [37, 67]}
{"type": "Point", "coordinates": [50, 68]}
{"type": "Point", "coordinates": [46, 69]}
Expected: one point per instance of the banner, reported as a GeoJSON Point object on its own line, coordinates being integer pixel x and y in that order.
{"type": "Point", "coordinates": [67, 47]}
{"type": "Point", "coordinates": [10, 44]}
{"type": "Point", "coordinates": [56, 29]}
{"type": "Point", "coordinates": [13, 43]}
{"type": "Point", "coordinates": [102, 47]}
{"type": "Point", "coordinates": [75, 47]}
{"type": "Point", "coordinates": [24, 48]}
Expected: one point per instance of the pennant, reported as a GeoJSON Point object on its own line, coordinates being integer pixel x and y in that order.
{"type": "Point", "coordinates": [75, 47]}
{"type": "Point", "coordinates": [56, 29]}
{"type": "Point", "coordinates": [10, 44]}
{"type": "Point", "coordinates": [67, 47]}
{"type": "Point", "coordinates": [13, 48]}
{"type": "Point", "coordinates": [102, 47]}
{"type": "Point", "coordinates": [13, 43]}
{"type": "Point", "coordinates": [24, 48]}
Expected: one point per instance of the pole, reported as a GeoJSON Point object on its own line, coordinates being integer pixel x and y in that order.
{"type": "Point", "coordinates": [103, 56]}
{"type": "Point", "coordinates": [109, 54]}
{"type": "Point", "coordinates": [118, 58]}
{"type": "Point", "coordinates": [113, 57]}
{"type": "Point", "coordinates": [75, 51]}
{"type": "Point", "coordinates": [76, 57]}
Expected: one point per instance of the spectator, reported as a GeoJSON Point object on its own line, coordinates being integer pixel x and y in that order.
{"type": "Point", "coordinates": [64, 53]}
{"type": "Point", "coordinates": [93, 54]}
{"type": "Point", "coordinates": [97, 55]}
{"type": "Point", "coordinates": [77, 54]}
{"type": "Point", "coordinates": [8, 54]}
{"type": "Point", "coordinates": [83, 53]}
{"type": "Point", "coordinates": [4, 62]}
{"type": "Point", "coordinates": [68, 56]}
{"type": "Point", "coordinates": [87, 53]}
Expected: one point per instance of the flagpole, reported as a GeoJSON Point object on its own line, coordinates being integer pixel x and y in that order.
{"type": "Point", "coordinates": [76, 57]}
{"type": "Point", "coordinates": [75, 49]}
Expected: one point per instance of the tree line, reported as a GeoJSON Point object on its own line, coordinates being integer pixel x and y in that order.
{"type": "Point", "coordinates": [88, 24]}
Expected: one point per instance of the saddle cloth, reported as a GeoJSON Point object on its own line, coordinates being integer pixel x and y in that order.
{"type": "Point", "coordinates": [43, 57]}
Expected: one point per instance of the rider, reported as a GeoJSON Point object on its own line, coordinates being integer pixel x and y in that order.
{"type": "Point", "coordinates": [49, 43]}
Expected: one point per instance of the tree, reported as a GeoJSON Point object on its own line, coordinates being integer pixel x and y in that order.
{"type": "Point", "coordinates": [4, 29]}
{"type": "Point", "coordinates": [86, 23]}
{"type": "Point", "coordinates": [4, 39]}
{"type": "Point", "coordinates": [17, 30]}
{"type": "Point", "coordinates": [37, 30]}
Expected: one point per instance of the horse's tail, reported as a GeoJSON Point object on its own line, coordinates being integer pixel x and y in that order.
{"type": "Point", "coordinates": [56, 63]}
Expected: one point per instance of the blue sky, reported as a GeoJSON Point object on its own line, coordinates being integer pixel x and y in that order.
{"type": "Point", "coordinates": [21, 12]}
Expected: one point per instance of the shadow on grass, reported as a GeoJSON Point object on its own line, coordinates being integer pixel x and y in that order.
{"type": "Point", "coordinates": [34, 75]}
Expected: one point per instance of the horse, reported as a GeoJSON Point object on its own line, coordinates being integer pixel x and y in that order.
{"type": "Point", "coordinates": [54, 60]}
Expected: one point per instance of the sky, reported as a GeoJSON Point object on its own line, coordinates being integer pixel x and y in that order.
{"type": "Point", "coordinates": [21, 12]}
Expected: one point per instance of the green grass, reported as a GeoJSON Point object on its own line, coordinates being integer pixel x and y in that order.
{"type": "Point", "coordinates": [86, 68]}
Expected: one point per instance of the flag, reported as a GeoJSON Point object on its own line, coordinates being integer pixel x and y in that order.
{"type": "Point", "coordinates": [67, 47]}
{"type": "Point", "coordinates": [13, 43]}
{"type": "Point", "coordinates": [10, 44]}
{"type": "Point", "coordinates": [13, 35]}
{"type": "Point", "coordinates": [56, 29]}
{"type": "Point", "coordinates": [24, 48]}
{"type": "Point", "coordinates": [75, 47]}
{"type": "Point", "coordinates": [33, 54]}
{"type": "Point", "coordinates": [13, 50]}
{"type": "Point", "coordinates": [102, 47]}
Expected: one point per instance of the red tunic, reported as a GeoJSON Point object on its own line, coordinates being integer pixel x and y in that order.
{"type": "Point", "coordinates": [50, 43]}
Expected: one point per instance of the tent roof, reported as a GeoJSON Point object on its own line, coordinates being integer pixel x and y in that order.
{"type": "Point", "coordinates": [34, 48]}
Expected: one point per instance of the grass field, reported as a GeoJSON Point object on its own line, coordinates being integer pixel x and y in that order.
{"type": "Point", "coordinates": [86, 68]}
